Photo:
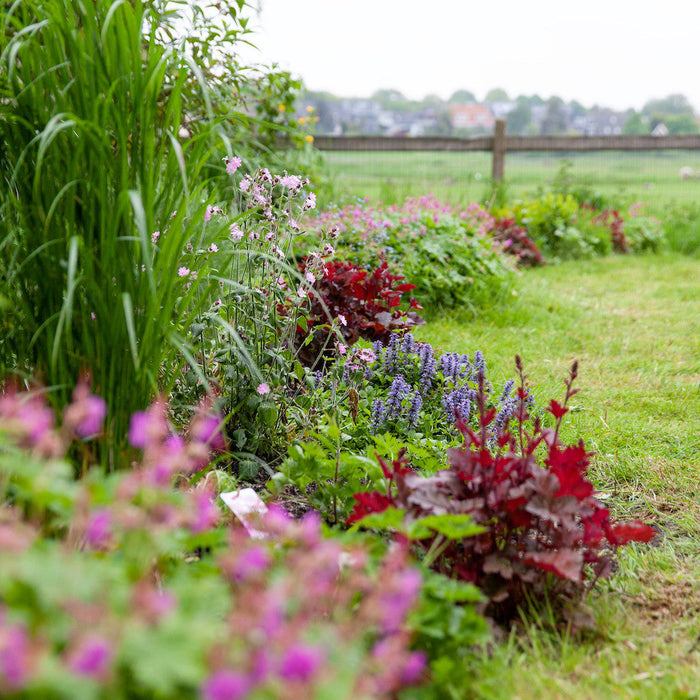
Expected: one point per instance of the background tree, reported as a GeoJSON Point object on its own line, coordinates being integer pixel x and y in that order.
{"type": "Point", "coordinates": [519, 119]}
{"type": "Point", "coordinates": [636, 125]}
{"type": "Point", "coordinates": [497, 95]}
{"type": "Point", "coordinates": [462, 97]}
{"type": "Point", "coordinates": [555, 119]}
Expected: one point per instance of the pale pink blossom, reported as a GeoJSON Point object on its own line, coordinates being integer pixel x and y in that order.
{"type": "Point", "coordinates": [232, 164]}
{"type": "Point", "coordinates": [263, 389]}
{"type": "Point", "coordinates": [183, 271]}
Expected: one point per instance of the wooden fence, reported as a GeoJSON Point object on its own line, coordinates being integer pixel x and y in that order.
{"type": "Point", "coordinates": [500, 144]}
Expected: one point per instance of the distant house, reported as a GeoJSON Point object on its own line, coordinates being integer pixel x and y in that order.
{"type": "Point", "coordinates": [660, 130]}
{"type": "Point", "coordinates": [471, 116]}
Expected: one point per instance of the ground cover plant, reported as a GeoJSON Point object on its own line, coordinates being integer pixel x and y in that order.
{"type": "Point", "coordinates": [100, 598]}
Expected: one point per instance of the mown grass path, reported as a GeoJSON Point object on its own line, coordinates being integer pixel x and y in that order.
{"type": "Point", "coordinates": [633, 323]}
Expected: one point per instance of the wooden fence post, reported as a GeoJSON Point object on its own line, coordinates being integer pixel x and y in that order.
{"type": "Point", "coordinates": [499, 150]}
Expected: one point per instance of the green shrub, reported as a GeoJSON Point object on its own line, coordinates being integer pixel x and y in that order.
{"type": "Point", "coordinates": [447, 254]}
{"type": "Point", "coordinates": [552, 221]}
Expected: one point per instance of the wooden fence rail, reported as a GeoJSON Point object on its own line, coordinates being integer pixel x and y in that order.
{"type": "Point", "coordinates": [499, 144]}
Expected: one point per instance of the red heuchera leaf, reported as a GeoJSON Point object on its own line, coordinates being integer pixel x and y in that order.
{"type": "Point", "coordinates": [372, 502]}
{"type": "Point", "coordinates": [557, 410]}
{"type": "Point", "coordinates": [633, 531]}
{"type": "Point", "coordinates": [564, 563]}
{"type": "Point", "coordinates": [569, 466]}
{"type": "Point", "coordinates": [369, 302]}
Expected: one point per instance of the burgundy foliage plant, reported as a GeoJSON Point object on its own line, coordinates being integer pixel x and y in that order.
{"type": "Point", "coordinates": [366, 304]}
{"type": "Point", "coordinates": [545, 532]}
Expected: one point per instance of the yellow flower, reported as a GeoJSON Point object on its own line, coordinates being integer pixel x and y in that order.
{"type": "Point", "coordinates": [309, 109]}
{"type": "Point", "coordinates": [310, 139]}
{"type": "Point", "coordinates": [282, 108]}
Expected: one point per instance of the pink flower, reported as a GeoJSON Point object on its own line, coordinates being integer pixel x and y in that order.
{"type": "Point", "coordinates": [15, 653]}
{"type": "Point", "coordinates": [302, 293]}
{"type": "Point", "coordinates": [232, 164]}
{"type": "Point", "coordinates": [245, 184]}
{"type": "Point", "coordinates": [342, 320]}
{"type": "Point", "coordinates": [183, 271]}
{"type": "Point", "coordinates": [206, 514]}
{"type": "Point", "coordinates": [291, 181]}
{"type": "Point", "coordinates": [155, 236]}
{"type": "Point", "coordinates": [310, 202]}
{"type": "Point", "coordinates": [236, 233]}
{"type": "Point", "coordinates": [252, 561]}
{"type": "Point", "coordinates": [225, 685]}
{"type": "Point", "coordinates": [91, 657]}
{"type": "Point", "coordinates": [301, 662]}
{"type": "Point", "coordinates": [213, 248]}
{"type": "Point", "coordinates": [98, 531]}
{"type": "Point", "coordinates": [310, 278]}
{"type": "Point", "coordinates": [263, 389]}
{"type": "Point", "coordinates": [366, 355]}
{"type": "Point", "coordinates": [207, 213]}
{"type": "Point", "coordinates": [341, 349]}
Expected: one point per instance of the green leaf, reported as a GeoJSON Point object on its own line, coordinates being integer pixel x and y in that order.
{"type": "Point", "coordinates": [453, 526]}
{"type": "Point", "coordinates": [389, 519]}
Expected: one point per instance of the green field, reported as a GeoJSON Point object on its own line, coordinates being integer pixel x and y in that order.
{"type": "Point", "coordinates": [459, 178]}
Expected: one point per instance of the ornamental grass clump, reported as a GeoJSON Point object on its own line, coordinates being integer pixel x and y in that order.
{"type": "Point", "coordinates": [130, 585]}
{"type": "Point", "coordinates": [90, 113]}
{"type": "Point", "coordinates": [543, 533]}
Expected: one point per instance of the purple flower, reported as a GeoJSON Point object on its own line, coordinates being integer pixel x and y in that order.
{"type": "Point", "coordinates": [14, 655]}
{"type": "Point", "coordinates": [206, 514]}
{"type": "Point", "coordinates": [252, 561]}
{"type": "Point", "coordinates": [416, 406]}
{"type": "Point", "coordinates": [301, 662]}
{"type": "Point", "coordinates": [413, 667]}
{"type": "Point", "coordinates": [148, 427]}
{"type": "Point", "coordinates": [225, 685]}
{"type": "Point", "coordinates": [91, 657]}
{"type": "Point", "coordinates": [99, 529]}
{"type": "Point", "coordinates": [378, 415]}
{"type": "Point", "coordinates": [95, 411]}
{"type": "Point", "coordinates": [206, 428]}
{"type": "Point", "coordinates": [398, 598]}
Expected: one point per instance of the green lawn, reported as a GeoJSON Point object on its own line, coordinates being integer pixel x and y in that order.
{"type": "Point", "coordinates": [633, 323]}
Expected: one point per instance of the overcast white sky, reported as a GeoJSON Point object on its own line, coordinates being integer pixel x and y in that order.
{"type": "Point", "coordinates": [614, 53]}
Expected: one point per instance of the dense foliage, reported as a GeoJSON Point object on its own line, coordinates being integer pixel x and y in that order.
{"type": "Point", "coordinates": [126, 588]}
{"type": "Point", "coordinates": [543, 532]}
